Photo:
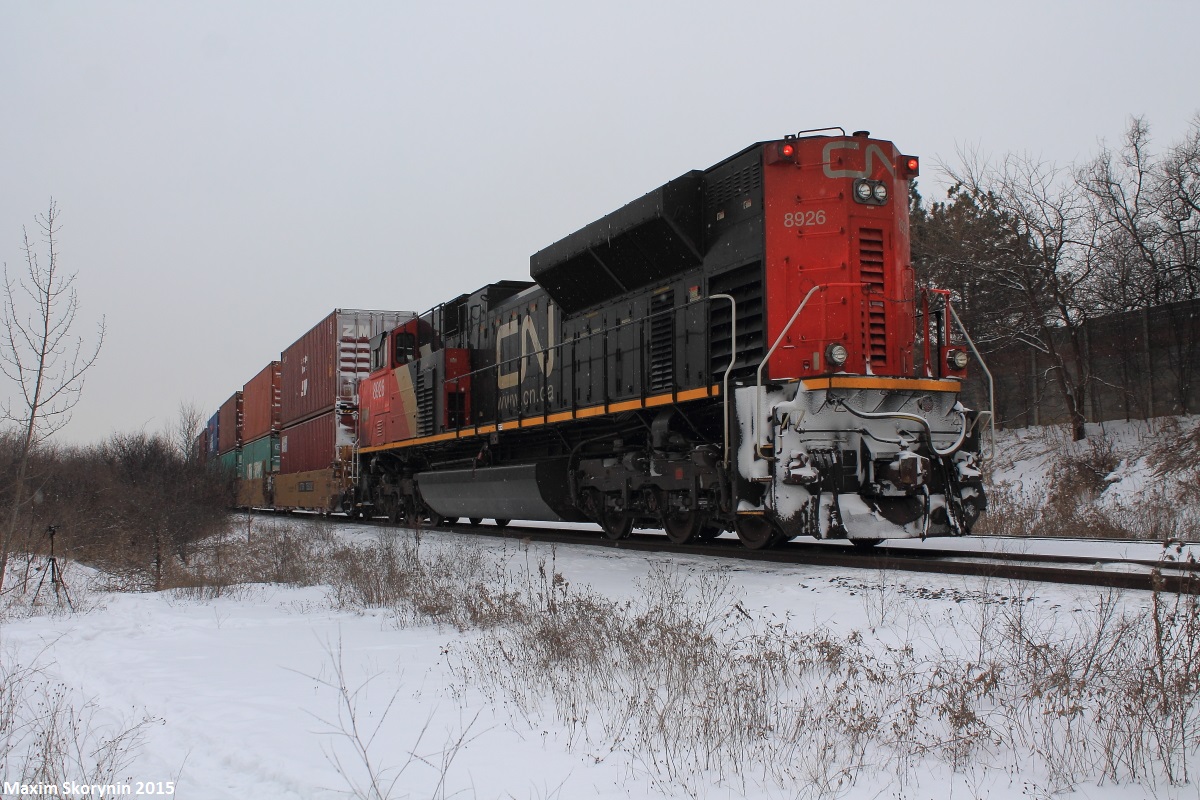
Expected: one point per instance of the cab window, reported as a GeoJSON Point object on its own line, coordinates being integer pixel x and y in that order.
{"type": "Point", "coordinates": [379, 351]}
{"type": "Point", "coordinates": [404, 348]}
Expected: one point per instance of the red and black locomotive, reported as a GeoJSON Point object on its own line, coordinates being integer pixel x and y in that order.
{"type": "Point", "coordinates": [743, 348]}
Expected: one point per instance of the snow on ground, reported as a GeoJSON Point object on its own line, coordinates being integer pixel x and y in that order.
{"type": "Point", "coordinates": [1141, 476]}
{"type": "Point", "coordinates": [242, 688]}
{"type": "Point", "coordinates": [238, 695]}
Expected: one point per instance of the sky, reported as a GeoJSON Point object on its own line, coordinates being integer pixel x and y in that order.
{"type": "Point", "coordinates": [227, 173]}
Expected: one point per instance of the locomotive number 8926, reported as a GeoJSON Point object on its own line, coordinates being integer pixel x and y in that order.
{"type": "Point", "coordinates": [742, 349]}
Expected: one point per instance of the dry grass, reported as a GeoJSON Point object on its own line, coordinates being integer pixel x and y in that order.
{"type": "Point", "coordinates": [255, 549]}
{"type": "Point", "coordinates": [50, 734]}
{"type": "Point", "coordinates": [1073, 497]}
{"type": "Point", "coordinates": [683, 685]}
{"type": "Point", "coordinates": [351, 733]}
{"type": "Point", "coordinates": [692, 689]}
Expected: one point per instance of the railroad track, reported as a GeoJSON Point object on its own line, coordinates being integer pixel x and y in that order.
{"type": "Point", "coordinates": [1103, 571]}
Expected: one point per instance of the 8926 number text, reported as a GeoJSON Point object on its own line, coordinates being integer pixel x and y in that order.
{"type": "Point", "coordinates": [802, 219]}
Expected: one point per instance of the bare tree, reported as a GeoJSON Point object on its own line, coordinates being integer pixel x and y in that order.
{"type": "Point", "coordinates": [1147, 212]}
{"type": "Point", "coordinates": [1178, 193]}
{"type": "Point", "coordinates": [1049, 263]}
{"type": "Point", "coordinates": [1120, 188]}
{"type": "Point", "coordinates": [41, 356]}
{"type": "Point", "coordinates": [186, 428]}
{"type": "Point", "coordinates": [1034, 255]}
{"type": "Point", "coordinates": [962, 245]}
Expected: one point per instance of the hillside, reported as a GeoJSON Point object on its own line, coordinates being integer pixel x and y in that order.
{"type": "Point", "coordinates": [1138, 479]}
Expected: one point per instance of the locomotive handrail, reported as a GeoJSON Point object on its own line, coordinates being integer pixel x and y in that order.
{"type": "Point", "coordinates": [591, 334]}
{"type": "Point", "coordinates": [818, 130]}
{"type": "Point", "coordinates": [917, 418]}
{"type": "Point", "coordinates": [732, 361]}
{"type": "Point", "coordinates": [758, 395]}
{"type": "Point", "coordinates": [986, 371]}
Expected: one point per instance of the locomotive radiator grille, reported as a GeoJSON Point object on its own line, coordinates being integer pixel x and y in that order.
{"type": "Point", "coordinates": [424, 392]}
{"type": "Point", "coordinates": [871, 272]}
{"type": "Point", "coordinates": [746, 286]}
{"type": "Point", "coordinates": [662, 361]}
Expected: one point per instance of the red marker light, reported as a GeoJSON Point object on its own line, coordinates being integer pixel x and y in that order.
{"type": "Point", "coordinates": [913, 164]}
{"type": "Point", "coordinates": [780, 153]}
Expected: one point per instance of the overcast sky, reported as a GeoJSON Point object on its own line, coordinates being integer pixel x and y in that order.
{"type": "Point", "coordinates": [229, 172]}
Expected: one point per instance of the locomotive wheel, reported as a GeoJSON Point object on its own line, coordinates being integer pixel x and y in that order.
{"type": "Point", "coordinates": [708, 532]}
{"type": "Point", "coordinates": [756, 532]}
{"type": "Point", "coordinates": [616, 526]}
{"type": "Point", "coordinates": [502, 523]}
{"type": "Point", "coordinates": [475, 520]}
{"type": "Point", "coordinates": [683, 526]}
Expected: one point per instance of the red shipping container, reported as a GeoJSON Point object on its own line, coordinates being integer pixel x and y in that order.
{"type": "Point", "coordinates": [319, 443]}
{"type": "Point", "coordinates": [260, 403]}
{"type": "Point", "coordinates": [323, 367]}
{"type": "Point", "coordinates": [229, 431]}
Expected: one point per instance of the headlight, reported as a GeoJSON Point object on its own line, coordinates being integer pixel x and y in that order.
{"type": "Point", "coordinates": [872, 193]}
{"type": "Point", "coordinates": [957, 359]}
{"type": "Point", "coordinates": [836, 354]}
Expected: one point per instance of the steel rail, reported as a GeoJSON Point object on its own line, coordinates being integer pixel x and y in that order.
{"type": "Point", "coordinates": [1174, 577]}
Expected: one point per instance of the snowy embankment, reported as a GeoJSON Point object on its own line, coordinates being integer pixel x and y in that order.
{"type": "Point", "coordinates": [1138, 479]}
{"type": "Point", "coordinates": [480, 668]}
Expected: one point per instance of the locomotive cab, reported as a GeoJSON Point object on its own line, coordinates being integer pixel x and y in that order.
{"type": "Point", "coordinates": [843, 433]}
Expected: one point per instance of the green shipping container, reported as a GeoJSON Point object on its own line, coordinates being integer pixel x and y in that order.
{"type": "Point", "coordinates": [232, 462]}
{"type": "Point", "coordinates": [260, 458]}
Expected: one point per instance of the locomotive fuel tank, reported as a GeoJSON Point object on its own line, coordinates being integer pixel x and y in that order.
{"type": "Point", "coordinates": [537, 491]}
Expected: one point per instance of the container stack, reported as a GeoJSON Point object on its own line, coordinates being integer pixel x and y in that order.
{"type": "Point", "coordinates": [289, 435]}
{"type": "Point", "coordinates": [229, 435]}
{"type": "Point", "coordinates": [319, 407]}
{"type": "Point", "coordinates": [260, 433]}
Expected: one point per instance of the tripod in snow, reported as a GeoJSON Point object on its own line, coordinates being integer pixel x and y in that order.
{"type": "Point", "coordinates": [56, 579]}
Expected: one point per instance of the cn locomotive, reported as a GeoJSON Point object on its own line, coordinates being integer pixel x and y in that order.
{"type": "Point", "coordinates": [742, 349]}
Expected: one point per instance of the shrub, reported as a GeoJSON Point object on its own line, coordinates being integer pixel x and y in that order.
{"type": "Point", "coordinates": [132, 505]}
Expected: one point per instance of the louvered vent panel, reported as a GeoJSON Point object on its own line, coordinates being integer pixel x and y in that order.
{"type": "Point", "coordinates": [744, 181]}
{"type": "Point", "coordinates": [871, 273]}
{"type": "Point", "coordinates": [662, 328]}
{"type": "Point", "coordinates": [745, 284]}
{"type": "Point", "coordinates": [424, 392]}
